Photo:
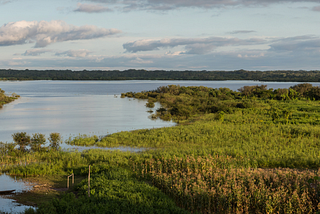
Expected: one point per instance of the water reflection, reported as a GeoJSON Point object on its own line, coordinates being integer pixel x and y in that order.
{"type": "Point", "coordinates": [92, 115]}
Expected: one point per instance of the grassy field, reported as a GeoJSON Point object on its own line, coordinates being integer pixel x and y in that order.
{"type": "Point", "coordinates": [253, 151]}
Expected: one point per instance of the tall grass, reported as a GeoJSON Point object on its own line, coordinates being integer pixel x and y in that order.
{"type": "Point", "coordinates": [212, 185]}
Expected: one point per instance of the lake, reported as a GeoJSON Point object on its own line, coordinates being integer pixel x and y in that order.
{"type": "Point", "coordinates": [89, 107]}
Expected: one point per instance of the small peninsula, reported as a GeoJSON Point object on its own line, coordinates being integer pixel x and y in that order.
{"type": "Point", "coordinates": [4, 99]}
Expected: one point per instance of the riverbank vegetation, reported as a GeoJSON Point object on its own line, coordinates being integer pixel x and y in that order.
{"type": "Point", "coordinates": [255, 150]}
{"type": "Point", "coordinates": [4, 99]}
{"type": "Point", "coordinates": [133, 74]}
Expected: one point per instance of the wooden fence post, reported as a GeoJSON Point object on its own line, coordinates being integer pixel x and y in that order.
{"type": "Point", "coordinates": [72, 175]}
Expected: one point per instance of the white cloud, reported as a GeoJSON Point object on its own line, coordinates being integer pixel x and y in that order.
{"type": "Point", "coordinates": [44, 33]}
{"type": "Point", "coordinates": [92, 8]}
{"type": "Point", "coordinates": [74, 53]}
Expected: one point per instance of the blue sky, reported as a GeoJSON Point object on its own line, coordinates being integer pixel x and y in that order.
{"type": "Point", "coordinates": [160, 34]}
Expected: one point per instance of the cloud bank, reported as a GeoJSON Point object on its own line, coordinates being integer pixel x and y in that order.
{"type": "Point", "coordinates": [232, 60]}
{"type": "Point", "coordinates": [44, 33]}
{"type": "Point", "coordinates": [299, 52]}
{"type": "Point", "coordinates": [191, 45]}
{"type": "Point", "coordinates": [205, 4]}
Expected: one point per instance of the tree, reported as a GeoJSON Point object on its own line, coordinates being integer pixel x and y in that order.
{"type": "Point", "coordinates": [22, 139]}
{"type": "Point", "coordinates": [314, 93]}
{"type": "Point", "coordinates": [180, 111]}
{"type": "Point", "coordinates": [302, 89]}
{"type": "Point", "coordinates": [36, 141]}
{"type": "Point", "coordinates": [55, 140]}
{"type": "Point", "coordinates": [255, 90]}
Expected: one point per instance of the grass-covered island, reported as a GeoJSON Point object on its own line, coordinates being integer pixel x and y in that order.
{"type": "Point", "coordinates": [255, 150]}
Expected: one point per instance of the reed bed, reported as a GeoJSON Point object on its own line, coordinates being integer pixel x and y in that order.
{"type": "Point", "coordinates": [212, 185]}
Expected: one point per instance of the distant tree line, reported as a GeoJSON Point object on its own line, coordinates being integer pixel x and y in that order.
{"type": "Point", "coordinates": [132, 74]}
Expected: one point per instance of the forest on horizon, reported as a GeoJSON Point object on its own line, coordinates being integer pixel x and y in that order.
{"type": "Point", "coordinates": [133, 74]}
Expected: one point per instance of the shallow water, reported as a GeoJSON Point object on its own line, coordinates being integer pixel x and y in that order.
{"type": "Point", "coordinates": [12, 183]}
{"type": "Point", "coordinates": [70, 116]}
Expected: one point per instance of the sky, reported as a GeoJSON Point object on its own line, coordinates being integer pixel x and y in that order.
{"type": "Point", "coordinates": [160, 34]}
